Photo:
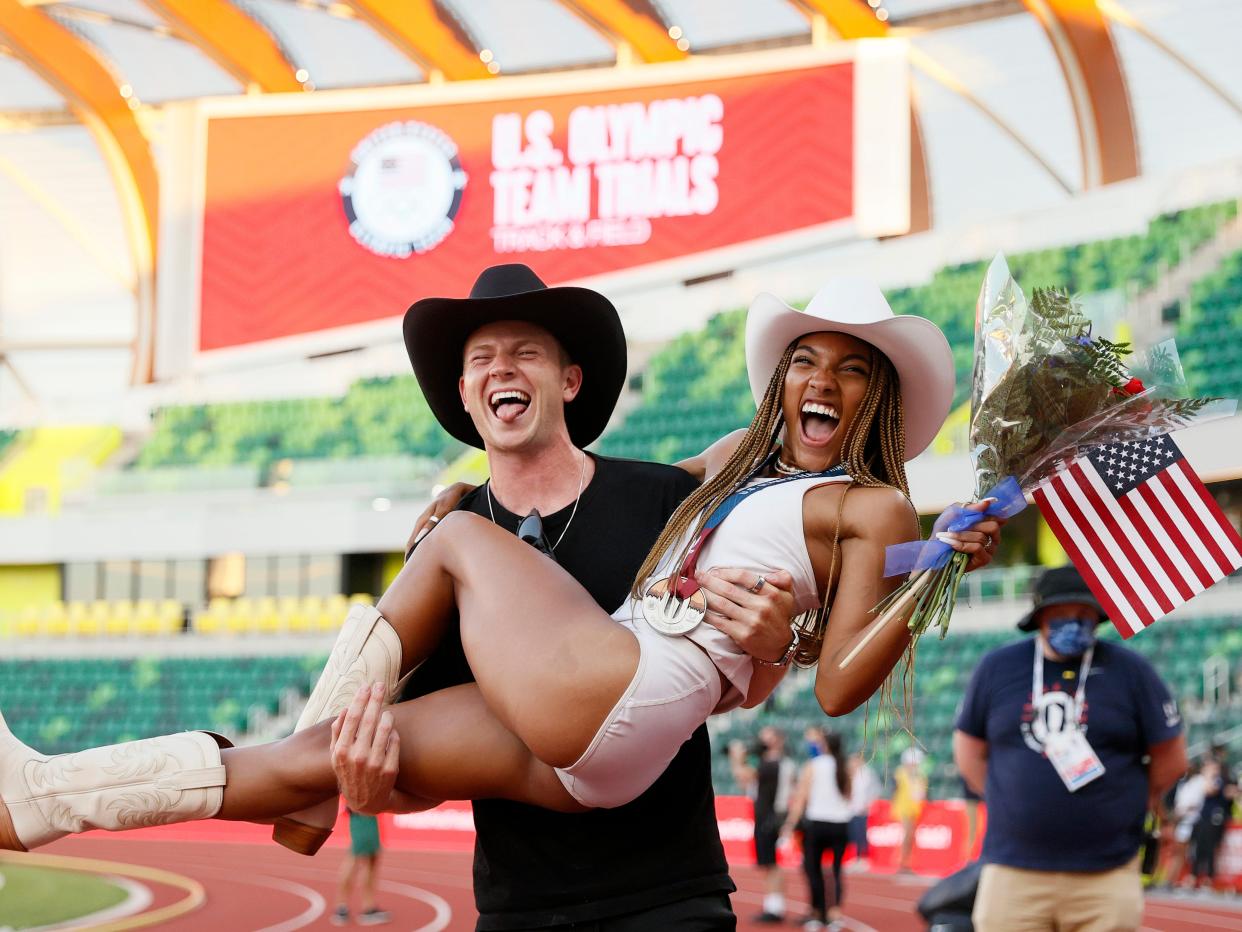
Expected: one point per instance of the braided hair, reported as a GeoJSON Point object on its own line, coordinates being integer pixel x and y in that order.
{"type": "Point", "coordinates": [873, 453]}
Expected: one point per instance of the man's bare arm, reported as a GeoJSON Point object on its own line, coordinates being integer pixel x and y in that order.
{"type": "Point", "coordinates": [1168, 763]}
{"type": "Point", "coordinates": [970, 754]}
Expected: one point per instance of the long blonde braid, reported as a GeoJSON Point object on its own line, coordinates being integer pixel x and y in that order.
{"type": "Point", "coordinates": [874, 443]}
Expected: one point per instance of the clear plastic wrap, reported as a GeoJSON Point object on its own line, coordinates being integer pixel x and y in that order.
{"type": "Point", "coordinates": [1044, 389]}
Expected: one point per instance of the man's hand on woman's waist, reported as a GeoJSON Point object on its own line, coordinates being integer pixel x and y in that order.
{"type": "Point", "coordinates": [757, 617]}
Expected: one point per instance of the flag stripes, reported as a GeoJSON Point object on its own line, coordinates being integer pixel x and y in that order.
{"type": "Point", "coordinates": [1141, 528]}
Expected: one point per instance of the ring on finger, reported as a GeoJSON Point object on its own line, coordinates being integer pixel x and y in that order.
{"type": "Point", "coordinates": [759, 584]}
{"type": "Point", "coordinates": [433, 519]}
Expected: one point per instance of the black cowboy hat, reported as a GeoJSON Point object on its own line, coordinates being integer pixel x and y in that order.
{"type": "Point", "coordinates": [584, 322]}
{"type": "Point", "coordinates": [1059, 586]}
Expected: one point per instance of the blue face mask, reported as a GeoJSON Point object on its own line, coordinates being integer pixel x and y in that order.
{"type": "Point", "coordinates": [1070, 637]}
{"type": "Point", "coordinates": [812, 749]}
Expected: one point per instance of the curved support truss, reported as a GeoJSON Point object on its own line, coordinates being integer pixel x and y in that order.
{"type": "Point", "coordinates": [1120, 14]}
{"type": "Point", "coordinates": [1078, 31]}
{"type": "Point", "coordinates": [91, 91]}
{"type": "Point", "coordinates": [634, 23]}
{"type": "Point", "coordinates": [416, 28]}
{"type": "Point", "coordinates": [951, 82]}
{"type": "Point", "coordinates": [233, 41]}
{"type": "Point", "coordinates": [850, 19]}
{"type": "Point", "coordinates": [854, 19]}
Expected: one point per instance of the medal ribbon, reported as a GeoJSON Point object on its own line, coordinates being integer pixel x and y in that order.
{"type": "Point", "coordinates": [687, 585]}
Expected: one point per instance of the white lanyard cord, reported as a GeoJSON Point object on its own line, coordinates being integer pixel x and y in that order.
{"type": "Point", "coordinates": [1080, 695]}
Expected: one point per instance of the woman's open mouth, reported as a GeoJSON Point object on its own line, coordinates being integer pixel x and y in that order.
{"type": "Point", "coordinates": [818, 423]}
{"type": "Point", "coordinates": [508, 404]}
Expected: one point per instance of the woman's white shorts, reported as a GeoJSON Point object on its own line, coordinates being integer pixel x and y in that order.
{"type": "Point", "coordinates": [674, 690]}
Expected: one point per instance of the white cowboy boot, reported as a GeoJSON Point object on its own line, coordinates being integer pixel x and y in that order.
{"type": "Point", "coordinates": [155, 781]}
{"type": "Point", "coordinates": [366, 651]}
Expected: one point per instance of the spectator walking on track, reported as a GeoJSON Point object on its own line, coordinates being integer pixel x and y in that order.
{"type": "Point", "coordinates": [1219, 791]}
{"type": "Point", "coordinates": [865, 789]}
{"type": "Point", "coordinates": [908, 798]}
{"type": "Point", "coordinates": [769, 782]}
{"type": "Point", "coordinates": [1059, 729]}
{"type": "Point", "coordinates": [362, 861]}
{"type": "Point", "coordinates": [822, 806]}
{"type": "Point", "coordinates": [1184, 815]}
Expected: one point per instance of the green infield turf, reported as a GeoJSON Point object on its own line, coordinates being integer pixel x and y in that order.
{"type": "Point", "coordinates": [39, 896]}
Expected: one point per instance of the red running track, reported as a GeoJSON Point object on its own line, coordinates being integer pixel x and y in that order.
{"type": "Point", "coordinates": [263, 888]}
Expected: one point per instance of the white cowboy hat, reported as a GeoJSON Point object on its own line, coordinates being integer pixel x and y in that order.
{"type": "Point", "coordinates": [914, 345]}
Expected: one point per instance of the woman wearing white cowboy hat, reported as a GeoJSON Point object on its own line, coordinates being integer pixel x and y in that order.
{"type": "Point", "coordinates": [829, 384]}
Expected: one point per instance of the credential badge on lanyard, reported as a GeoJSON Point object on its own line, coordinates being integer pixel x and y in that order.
{"type": "Point", "coordinates": [1072, 756]}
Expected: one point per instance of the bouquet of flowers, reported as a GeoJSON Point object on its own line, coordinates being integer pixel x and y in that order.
{"type": "Point", "coordinates": [1044, 389]}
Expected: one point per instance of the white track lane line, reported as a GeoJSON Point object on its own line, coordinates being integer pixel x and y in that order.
{"type": "Point", "coordinates": [316, 905]}
{"type": "Point", "coordinates": [444, 912]}
{"type": "Point", "coordinates": [316, 908]}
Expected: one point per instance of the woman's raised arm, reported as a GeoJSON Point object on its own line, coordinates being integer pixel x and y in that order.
{"type": "Point", "coordinates": [871, 520]}
{"type": "Point", "coordinates": [705, 464]}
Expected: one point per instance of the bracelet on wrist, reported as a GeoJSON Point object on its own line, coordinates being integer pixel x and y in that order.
{"type": "Point", "coordinates": [786, 657]}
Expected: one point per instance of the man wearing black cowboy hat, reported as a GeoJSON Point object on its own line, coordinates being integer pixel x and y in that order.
{"type": "Point", "coordinates": [1074, 739]}
{"type": "Point", "coordinates": [531, 375]}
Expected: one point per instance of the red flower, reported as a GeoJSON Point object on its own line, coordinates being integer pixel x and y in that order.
{"type": "Point", "coordinates": [1132, 387]}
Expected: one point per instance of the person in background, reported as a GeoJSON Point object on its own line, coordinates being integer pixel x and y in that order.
{"type": "Point", "coordinates": [770, 784]}
{"type": "Point", "coordinates": [813, 741]}
{"type": "Point", "coordinates": [1075, 740]}
{"type": "Point", "coordinates": [908, 799]}
{"type": "Point", "coordinates": [864, 790]}
{"type": "Point", "coordinates": [1186, 808]}
{"type": "Point", "coordinates": [1209, 831]}
{"type": "Point", "coordinates": [822, 803]}
{"type": "Point", "coordinates": [363, 859]}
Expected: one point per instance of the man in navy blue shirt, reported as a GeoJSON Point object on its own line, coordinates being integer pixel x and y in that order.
{"type": "Point", "coordinates": [1070, 740]}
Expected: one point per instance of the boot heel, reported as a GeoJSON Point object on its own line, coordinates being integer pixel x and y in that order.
{"type": "Point", "coordinates": [299, 838]}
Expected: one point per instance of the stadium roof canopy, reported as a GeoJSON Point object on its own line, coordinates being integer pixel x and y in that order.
{"type": "Point", "coordinates": [1020, 104]}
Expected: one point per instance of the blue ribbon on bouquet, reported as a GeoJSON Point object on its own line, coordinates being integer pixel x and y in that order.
{"type": "Point", "coordinates": [900, 559]}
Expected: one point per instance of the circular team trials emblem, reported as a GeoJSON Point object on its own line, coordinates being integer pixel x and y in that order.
{"type": "Point", "coordinates": [1053, 714]}
{"type": "Point", "coordinates": [403, 189]}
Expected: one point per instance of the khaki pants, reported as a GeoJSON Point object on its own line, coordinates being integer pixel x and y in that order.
{"type": "Point", "coordinates": [1015, 900]}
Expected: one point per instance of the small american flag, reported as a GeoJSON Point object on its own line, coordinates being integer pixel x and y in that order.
{"type": "Point", "coordinates": [1141, 528]}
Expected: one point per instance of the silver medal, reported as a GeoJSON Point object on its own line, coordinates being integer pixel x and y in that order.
{"type": "Point", "coordinates": [670, 615]}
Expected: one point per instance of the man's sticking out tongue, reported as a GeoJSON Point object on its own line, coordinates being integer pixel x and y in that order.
{"type": "Point", "coordinates": [509, 405]}
{"type": "Point", "coordinates": [818, 422]}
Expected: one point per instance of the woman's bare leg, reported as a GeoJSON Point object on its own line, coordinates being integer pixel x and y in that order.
{"type": "Point", "coordinates": [452, 747]}
{"type": "Point", "coordinates": [549, 662]}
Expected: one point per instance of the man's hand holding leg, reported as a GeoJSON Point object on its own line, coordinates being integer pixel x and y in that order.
{"type": "Point", "coordinates": [365, 749]}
